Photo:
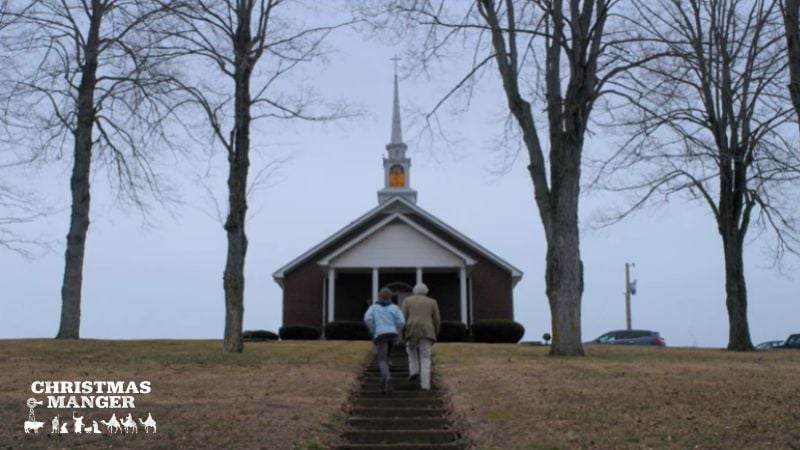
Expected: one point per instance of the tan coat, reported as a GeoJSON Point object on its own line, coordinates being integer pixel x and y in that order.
{"type": "Point", "coordinates": [422, 318]}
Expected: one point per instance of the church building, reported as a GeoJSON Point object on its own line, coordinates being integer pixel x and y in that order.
{"type": "Point", "coordinates": [396, 245]}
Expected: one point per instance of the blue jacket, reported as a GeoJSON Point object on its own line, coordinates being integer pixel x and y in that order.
{"type": "Point", "coordinates": [382, 319]}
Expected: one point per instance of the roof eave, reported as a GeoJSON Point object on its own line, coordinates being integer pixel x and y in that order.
{"type": "Point", "coordinates": [280, 273]}
{"type": "Point", "coordinates": [516, 274]}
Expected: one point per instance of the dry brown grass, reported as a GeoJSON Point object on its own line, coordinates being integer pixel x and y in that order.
{"type": "Point", "coordinates": [516, 397]}
{"type": "Point", "coordinates": [277, 395]}
{"type": "Point", "coordinates": [290, 394]}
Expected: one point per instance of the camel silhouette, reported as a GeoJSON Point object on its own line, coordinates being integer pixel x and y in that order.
{"type": "Point", "coordinates": [130, 424]}
{"type": "Point", "coordinates": [112, 425]}
{"type": "Point", "coordinates": [148, 423]}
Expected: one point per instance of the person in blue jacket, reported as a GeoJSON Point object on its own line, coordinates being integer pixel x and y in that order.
{"type": "Point", "coordinates": [385, 323]}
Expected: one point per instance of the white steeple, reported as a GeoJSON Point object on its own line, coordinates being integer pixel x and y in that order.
{"type": "Point", "coordinates": [396, 167]}
{"type": "Point", "coordinates": [397, 127]}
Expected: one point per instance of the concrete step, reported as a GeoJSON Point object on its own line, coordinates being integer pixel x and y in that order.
{"type": "Point", "coordinates": [390, 401]}
{"type": "Point", "coordinates": [448, 446]}
{"type": "Point", "coordinates": [401, 385]}
{"type": "Point", "coordinates": [400, 436]}
{"type": "Point", "coordinates": [407, 419]}
{"type": "Point", "coordinates": [397, 385]}
{"type": "Point", "coordinates": [376, 377]}
{"type": "Point", "coordinates": [392, 370]}
{"type": "Point", "coordinates": [362, 411]}
{"type": "Point", "coordinates": [377, 393]}
{"type": "Point", "coordinates": [397, 423]}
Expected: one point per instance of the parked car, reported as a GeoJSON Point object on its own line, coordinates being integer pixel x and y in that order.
{"type": "Point", "coordinates": [792, 341]}
{"type": "Point", "coordinates": [769, 344]}
{"type": "Point", "coordinates": [630, 337]}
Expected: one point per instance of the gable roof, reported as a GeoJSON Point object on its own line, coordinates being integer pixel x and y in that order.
{"type": "Point", "coordinates": [395, 207]}
{"type": "Point", "coordinates": [382, 225]}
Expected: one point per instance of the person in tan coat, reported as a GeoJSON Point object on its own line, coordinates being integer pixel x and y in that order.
{"type": "Point", "coordinates": [422, 327]}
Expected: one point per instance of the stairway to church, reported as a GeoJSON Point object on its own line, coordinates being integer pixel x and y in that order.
{"type": "Point", "coordinates": [407, 419]}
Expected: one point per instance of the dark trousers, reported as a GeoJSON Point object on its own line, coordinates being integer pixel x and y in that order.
{"type": "Point", "coordinates": [383, 346]}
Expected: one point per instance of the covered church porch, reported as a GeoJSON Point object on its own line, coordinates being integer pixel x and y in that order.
{"type": "Point", "coordinates": [349, 291]}
{"type": "Point", "coordinates": [396, 253]}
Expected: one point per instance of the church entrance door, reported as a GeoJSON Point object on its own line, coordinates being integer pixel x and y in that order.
{"type": "Point", "coordinates": [401, 290]}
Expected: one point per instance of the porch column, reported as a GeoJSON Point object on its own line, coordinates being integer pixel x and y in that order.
{"type": "Point", "coordinates": [462, 278]}
{"type": "Point", "coordinates": [331, 293]}
{"type": "Point", "coordinates": [419, 275]}
{"type": "Point", "coordinates": [324, 314]}
{"type": "Point", "coordinates": [374, 284]}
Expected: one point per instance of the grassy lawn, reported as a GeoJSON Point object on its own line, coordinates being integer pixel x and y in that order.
{"type": "Point", "coordinates": [274, 395]}
{"type": "Point", "coordinates": [516, 397]}
{"type": "Point", "coordinates": [286, 395]}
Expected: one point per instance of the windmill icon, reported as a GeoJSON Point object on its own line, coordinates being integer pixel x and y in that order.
{"type": "Point", "coordinates": [32, 403]}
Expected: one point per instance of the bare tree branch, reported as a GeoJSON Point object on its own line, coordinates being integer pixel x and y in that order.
{"type": "Point", "coordinates": [791, 19]}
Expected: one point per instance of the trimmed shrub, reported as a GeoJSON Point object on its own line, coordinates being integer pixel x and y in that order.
{"type": "Point", "coordinates": [347, 330]}
{"type": "Point", "coordinates": [259, 335]}
{"type": "Point", "coordinates": [453, 331]}
{"type": "Point", "coordinates": [299, 332]}
{"type": "Point", "coordinates": [497, 331]}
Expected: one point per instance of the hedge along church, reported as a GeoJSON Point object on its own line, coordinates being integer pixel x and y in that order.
{"type": "Point", "coordinates": [396, 245]}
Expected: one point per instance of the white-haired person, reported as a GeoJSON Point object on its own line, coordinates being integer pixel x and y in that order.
{"type": "Point", "coordinates": [422, 327]}
{"type": "Point", "coordinates": [385, 322]}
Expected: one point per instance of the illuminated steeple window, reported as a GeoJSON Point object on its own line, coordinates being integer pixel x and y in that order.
{"type": "Point", "coordinates": [397, 176]}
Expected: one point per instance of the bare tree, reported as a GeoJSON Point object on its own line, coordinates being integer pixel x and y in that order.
{"type": "Point", "coordinates": [791, 21]}
{"type": "Point", "coordinates": [253, 45]}
{"type": "Point", "coordinates": [710, 122]}
{"type": "Point", "coordinates": [83, 73]}
{"type": "Point", "coordinates": [17, 209]}
{"type": "Point", "coordinates": [554, 53]}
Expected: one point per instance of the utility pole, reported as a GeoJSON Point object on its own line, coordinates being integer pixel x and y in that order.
{"type": "Point", "coordinates": [630, 289]}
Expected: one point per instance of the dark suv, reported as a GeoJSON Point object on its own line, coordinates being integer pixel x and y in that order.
{"type": "Point", "coordinates": [792, 341]}
{"type": "Point", "coordinates": [630, 337]}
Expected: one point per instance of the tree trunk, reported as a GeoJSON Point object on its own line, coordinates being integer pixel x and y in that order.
{"type": "Point", "coordinates": [564, 268]}
{"type": "Point", "coordinates": [239, 161]}
{"type": "Point", "coordinates": [233, 279]}
{"type": "Point", "coordinates": [736, 294]}
{"type": "Point", "coordinates": [79, 185]}
{"type": "Point", "coordinates": [564, 280]}
{"type": "Point", "coordinates": [791, 18]}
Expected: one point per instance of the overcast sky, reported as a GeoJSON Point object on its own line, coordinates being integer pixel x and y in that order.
{"type": "Point", "coordinates": [165, 280]}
